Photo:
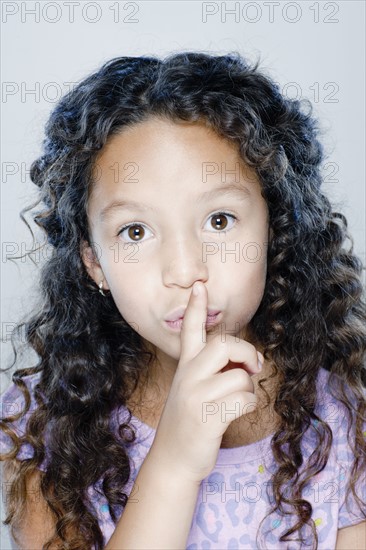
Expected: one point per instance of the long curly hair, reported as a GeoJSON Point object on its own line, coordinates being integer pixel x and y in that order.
{"type": "Point", "coordinates": [312, 313]}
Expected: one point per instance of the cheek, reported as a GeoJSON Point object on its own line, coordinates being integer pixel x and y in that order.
{"type": "Point", "coordinates": [257, 273]}
{"type": "Point", "coordinates": [251, 269]}
{"type": "Point", "coordinates": [248, 279]}
{"type": "Point", "coordinates": [134, 297]}
{"type": "Point", "coordinates": [128, 298]}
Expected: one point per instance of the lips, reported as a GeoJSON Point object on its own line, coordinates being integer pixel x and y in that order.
{"type": "Point", "coordinates": [211, 321]}
{"type": "Point", "coordinates": [178, 313]}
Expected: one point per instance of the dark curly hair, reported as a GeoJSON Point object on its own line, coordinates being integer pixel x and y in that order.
{"type": "Point", "coordinates": [312, 313]}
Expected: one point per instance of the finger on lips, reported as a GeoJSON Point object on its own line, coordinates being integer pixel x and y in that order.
{"type": "Point", "coordinates": [193, 334]}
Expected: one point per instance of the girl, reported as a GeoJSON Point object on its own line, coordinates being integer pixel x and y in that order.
{"type": "Point", "coordinates": [155, 417]}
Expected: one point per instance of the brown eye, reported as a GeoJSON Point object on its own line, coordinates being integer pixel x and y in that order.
{"type": "Point", "coordinates": [219, 221]}
{"type": "Point", "coordinates": [135, 232]}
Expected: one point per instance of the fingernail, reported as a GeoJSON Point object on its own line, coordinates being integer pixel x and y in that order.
{"type": "Point", "coordinates": [196, 289]}
{"type": "Point", "coordinates": [260, 365]}
{"type": "Point", "coordinates": [260, 360]}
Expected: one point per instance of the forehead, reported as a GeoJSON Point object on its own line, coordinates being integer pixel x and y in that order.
{"type": "Point", "coordinates": [156, 137]}
{"type": "Point", "coordinates": [162, 155]}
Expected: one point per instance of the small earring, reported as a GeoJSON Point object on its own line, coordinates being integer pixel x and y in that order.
{"type": "Point", "coordinates": [101, 288]}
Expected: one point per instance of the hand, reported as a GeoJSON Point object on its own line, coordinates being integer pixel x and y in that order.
{"type": "Point", "coordinates": [202, 399]}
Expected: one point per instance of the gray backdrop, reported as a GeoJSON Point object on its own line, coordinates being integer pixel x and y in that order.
{"type": "Point", "coordinates": [313, 49]}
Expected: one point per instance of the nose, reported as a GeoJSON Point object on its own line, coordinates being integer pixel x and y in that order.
{"type": "Point", "coordinates": [183, 263]}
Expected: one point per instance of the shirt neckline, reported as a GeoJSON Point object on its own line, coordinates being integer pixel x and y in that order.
{"type": "Point", "coordinates": [231, 455]}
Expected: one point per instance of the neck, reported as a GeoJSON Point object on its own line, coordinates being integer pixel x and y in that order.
{"type": "Point", "coordinates": [154, 386]}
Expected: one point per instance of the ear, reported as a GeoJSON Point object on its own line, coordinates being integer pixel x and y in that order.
{"type": "Point", "coordinates": [89, 257]}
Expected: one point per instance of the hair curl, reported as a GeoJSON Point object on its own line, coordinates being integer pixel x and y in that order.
{"type": "Point", "coordinates": [312, 313]}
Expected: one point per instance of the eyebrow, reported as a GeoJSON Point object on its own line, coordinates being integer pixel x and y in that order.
{"type": "Point", "coordinates": [241, 192]}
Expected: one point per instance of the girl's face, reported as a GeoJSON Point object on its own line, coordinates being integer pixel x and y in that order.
{"type": "Point", "coordinates": [195, 213]}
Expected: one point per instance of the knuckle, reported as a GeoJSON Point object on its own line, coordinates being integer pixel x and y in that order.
{"type": "Point", "coordinates": [242, 377]}
{"type": "Point", "coordinates": [252, 349]}
{"type": "Point", "coordinates": [238, 399]}
{"type": "Point", "coordinates": [249, 407]}
{"type": "Point", "coordinates": [219, 343]}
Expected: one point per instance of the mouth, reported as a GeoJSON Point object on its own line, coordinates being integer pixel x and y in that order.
{"type": "Point", "coordinates": [211, 320]}
{"type": "Point", "coordinates": [179, 313]}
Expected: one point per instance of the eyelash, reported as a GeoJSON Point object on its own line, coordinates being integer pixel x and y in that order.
{"type": "Point", "coordinates": [229, 214]}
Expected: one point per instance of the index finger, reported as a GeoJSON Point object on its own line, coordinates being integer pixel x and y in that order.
{"type": "Point", "coordinates": [193, 333]}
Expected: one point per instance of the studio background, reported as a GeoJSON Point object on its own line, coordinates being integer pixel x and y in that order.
{"type": "Point", "coordinates": [313, 49]}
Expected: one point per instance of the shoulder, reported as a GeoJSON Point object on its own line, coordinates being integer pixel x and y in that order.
{"type": "Point", "coordinates": [335, 413]}
{"type": "Point", "coordinates": [12, 405]}
{"type": "Point", "coordinates": [343, 449]}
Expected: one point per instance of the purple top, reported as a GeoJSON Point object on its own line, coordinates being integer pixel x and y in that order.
{"type": "Point", "coordinates": [233, 499]}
